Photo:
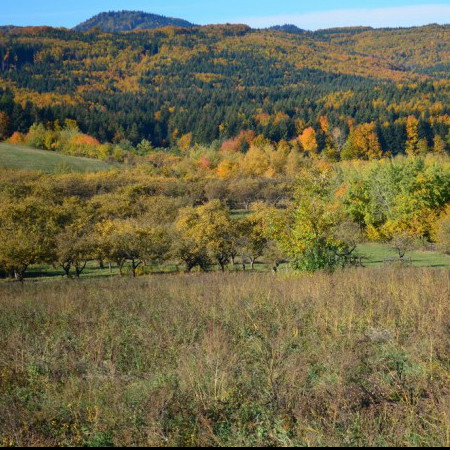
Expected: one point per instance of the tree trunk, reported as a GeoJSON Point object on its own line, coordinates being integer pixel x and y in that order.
{"type": "Point", "coordinates": [79, 269]}
{"type": "Point", "coordinates": [134, 266]}
{"type": "Point", "coordinates": [222, 262]}
{"type": "Point", "coordinates": [275, 267]}
{"type": "Point", "coordinates": [121, 264]}
{"type": "Point", "coordinates": [222, 265]}
{"type": "Point", "coordinates": [66, 268]}
{"type": "Point", "coordinates": [19, 274]}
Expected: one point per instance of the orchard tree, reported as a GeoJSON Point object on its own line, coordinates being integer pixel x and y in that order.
{"type": "Point", "coordinates": [209, 229]}
{"type": "Point", "coordinates": [135, 242]}
{"type": "Point", "coordinates": [75, 243]}
{"type": "Point", "coordinates": [274, 255]}
{"type": "Point", "coordinates": [192, 254]}
{"type": "Point", "coordinates": [403, 242]}
{"type": "Point", "coordinates": [244, 191]}
{"type": "Point", "coordinates": [251, 239]}
{"type": "Point", "coordinates": [347, 235]}
{"type": "Point", "coordinates": [27, 234]}
{"type": "Point", "coordinates": [443, 232]}
{"type": "Point", "coordinates": [308, 232]}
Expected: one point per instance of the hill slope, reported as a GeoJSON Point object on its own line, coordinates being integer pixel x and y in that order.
{"type": "Point", "coordinates": [25, 158]}
{"type": "Point", "coordinates": [128, 21]}
{"type": "Point", "coordinates": [210, 83]}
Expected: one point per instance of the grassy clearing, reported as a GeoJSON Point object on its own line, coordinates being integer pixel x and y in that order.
{"type": "Point", "coordinates": [26, 158]}
{"type": "Point", "coordinates": [374, 255]}
{"type": "Point", "coordinates": [358, 358]}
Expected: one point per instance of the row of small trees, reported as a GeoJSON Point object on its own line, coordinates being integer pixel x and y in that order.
{"type": "Point", "coordinates": [71, 234]}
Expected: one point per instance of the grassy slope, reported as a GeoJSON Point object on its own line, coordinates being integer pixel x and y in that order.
{"type": "Point", "coordinates": [26, 158]}
{"type": "Point", "coordinates": [358, 358]}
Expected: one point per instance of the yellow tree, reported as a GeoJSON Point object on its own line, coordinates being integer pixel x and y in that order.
{"type": "Point", "coordinates": [256, 161]}
{"type": "Point", "coordinates": [133, 241]}
{"type": "Point", "coordinates": [75, 243]}
{"type": "Point", "coordinates": [251, 239]}
{"type": "Point", "coordinates": [439, 145]}
{"type": "Point", "coordinates": [363, 143]}
{"type": "Point", "coordinates": [27, 231]}
{"type": "Point", "coordinates": [209, 231]}
{"type": "Point", "coordinates": [443, 232]}
{"type": "Point", "coordinates": [185, 142]}
{"type": "Point", "coordinates": [422, 147]}
{"type": "Point", "coordinates": [308, 140]}
{"type": "Point", "coordinates": [412, 131]}
{"type": "Point", "coordinates": [324, 123]}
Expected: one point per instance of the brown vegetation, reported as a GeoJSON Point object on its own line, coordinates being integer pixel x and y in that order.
{"type": "Point", "coordinates": [356, 358]}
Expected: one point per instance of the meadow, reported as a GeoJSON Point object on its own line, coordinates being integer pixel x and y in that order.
{"type": "Point", "coordinates": [27, 158]}
{"type": "Point", "coordinates": [358, 357]}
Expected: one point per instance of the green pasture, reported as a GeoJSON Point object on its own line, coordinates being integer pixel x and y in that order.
{"type": "Point", "coordinates": [26, 158]}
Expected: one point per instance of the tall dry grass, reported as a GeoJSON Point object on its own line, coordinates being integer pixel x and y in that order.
{"type": "Point", "coordinates": [358, 358]}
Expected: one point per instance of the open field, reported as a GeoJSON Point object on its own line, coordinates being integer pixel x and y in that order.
{"type": "Point", "coordinates": [26, 158]}
{"type": "Point", "coordinates": [358, 358]}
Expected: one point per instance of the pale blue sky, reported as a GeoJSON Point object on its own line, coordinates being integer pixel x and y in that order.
{"type": "Point", "coordinates": [311, 14]}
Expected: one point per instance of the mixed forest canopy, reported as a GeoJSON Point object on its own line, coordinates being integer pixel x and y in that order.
{"type": "Point", "coordinates": [344, 93]}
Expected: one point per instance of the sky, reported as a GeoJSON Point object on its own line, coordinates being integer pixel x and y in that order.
{"type": "Point", "coordinates": [311, 14]}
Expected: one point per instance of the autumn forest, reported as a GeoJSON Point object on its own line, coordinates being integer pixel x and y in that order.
{"type": "Point", "coordinates": [203, 85]}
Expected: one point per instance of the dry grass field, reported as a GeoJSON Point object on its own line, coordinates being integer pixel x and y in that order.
{"type": "Point", "coordinates": [357, 358]}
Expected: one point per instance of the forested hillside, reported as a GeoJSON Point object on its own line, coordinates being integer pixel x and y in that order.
{"type": "Point", "coordinates": [356, 92]}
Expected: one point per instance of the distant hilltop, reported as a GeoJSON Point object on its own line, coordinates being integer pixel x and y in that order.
{"type": "Point", "coordinates": [118, 21]}
{"type": "Point", "coordinates": [288, 28]}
